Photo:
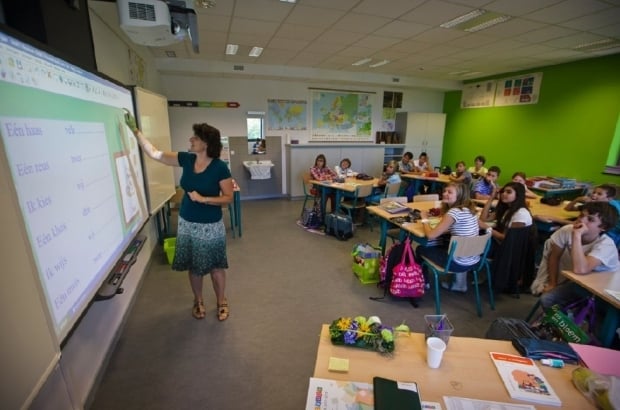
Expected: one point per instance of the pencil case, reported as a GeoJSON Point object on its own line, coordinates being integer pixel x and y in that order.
{"type": "Point", "coordinates": [545, 349]}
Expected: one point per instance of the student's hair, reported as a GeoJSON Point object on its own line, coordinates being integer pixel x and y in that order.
{"type": "Point", "coordinates": [393, 163]}
{"type": "Point", "coordinates": [423, 154]}
{"type": "Point", "coordinates": [495, 169]}
{"type": "Point", "coordinates": [609, 189]}
{"type": "Point", "coordinates": [480, 158]}
{"type": "Point", "coordinates": [460, 162]}
{"type": "Point", "coordinates": [318, 157]}
{"type": "Point", "coordinates": [347, 160]}
{"type": "Point", "coordinates": [463, 200]}
{"type": "Point", "coordinates": [504, 211]}
{"type": "Point", "coordinates": [519, 174]}
{"type": "Point", "coordinates": [210, 136]}
{"type": "Point", "coordinates": [608, 214]}
{"type": "Point", "coordinates": [408, 154]}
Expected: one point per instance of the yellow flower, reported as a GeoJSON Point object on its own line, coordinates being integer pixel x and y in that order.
{"type": "Point", "coordinates": [344, 323]}
{"type": "Point", "coordinates": [363, 328]}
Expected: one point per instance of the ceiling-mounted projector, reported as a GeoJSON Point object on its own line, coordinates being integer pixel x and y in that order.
{"type": "Point", "coordinates": [158, 23]}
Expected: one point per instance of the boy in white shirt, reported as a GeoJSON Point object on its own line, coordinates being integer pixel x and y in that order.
{"type": "Point", "coordinates": [581, 247]}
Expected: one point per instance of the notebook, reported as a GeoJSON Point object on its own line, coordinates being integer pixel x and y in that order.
{"type": "Point", "coordinates": [395, 395]}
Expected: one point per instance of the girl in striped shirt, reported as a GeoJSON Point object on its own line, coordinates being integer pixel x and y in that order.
{"type": "Point", "coordinates": [460, 219]}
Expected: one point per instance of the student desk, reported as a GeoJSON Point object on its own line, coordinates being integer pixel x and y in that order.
{"type": "Point", "coordinates": [466, 369]}
{"type": "Point", "coordinates": [596, 283]}
{"type": "Point", "coordinates": [412, 227]}
{"type": "Point", "coordinates": [339, 188]}
{"type": "Point", "coordinates": [418, 179]}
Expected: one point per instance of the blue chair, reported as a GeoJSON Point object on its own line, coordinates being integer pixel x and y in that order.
{"type": "Point", "coordinates": [464, 246]}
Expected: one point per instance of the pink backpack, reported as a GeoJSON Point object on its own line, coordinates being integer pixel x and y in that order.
{"type": "Point", "coordinates": [407, 277]}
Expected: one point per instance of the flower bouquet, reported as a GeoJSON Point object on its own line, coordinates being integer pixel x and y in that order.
{"type": "Point", "coordinates": [365, 333]}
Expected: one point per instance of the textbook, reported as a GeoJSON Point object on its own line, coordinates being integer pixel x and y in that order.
{"type": "Point", "coordinates": [328, 394]}
{"type": "Point", "coordinates": [393, 207]}
{"type": "Point", "coordinates": [524, 380]}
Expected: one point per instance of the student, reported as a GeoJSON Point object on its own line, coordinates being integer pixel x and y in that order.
{"type": "Point", "coordinates": [405, 165]}
{"type": "Point", "coordinates": [390, 176]}
{"type": "Point", "coordinates": [459, 218]}
{"type": "Point", "coordinates": [520, 178]}
{"type": "Point", "coordinates": [580, 247]}
{"type": "Point", "coordinates": [485, 186]}
{"type": "Point", "coordinates": [343, 170]}
{"type": "Point", "coordinates": [422, 164]}
{"type": "Point", "coordinates": [478, 170]}
{"type": "Point", "coordinates": [511, 210]}
{"type": "Point", "coordinates": [461, 174]}
{"type": "Point", "coordinates": [320, 171]}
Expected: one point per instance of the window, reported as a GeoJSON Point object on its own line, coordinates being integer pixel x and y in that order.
{"type": "Point", "coordinates": [256, 125]}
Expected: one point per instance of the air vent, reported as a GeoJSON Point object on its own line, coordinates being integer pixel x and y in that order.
{"type": "Point", "coordinates": [238, 68]}
{"type": "Point", "coordinates": [395, 80]}
{"type": "Point", "coordinates": [139, 11]}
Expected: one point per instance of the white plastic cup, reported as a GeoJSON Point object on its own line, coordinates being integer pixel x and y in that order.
{"type": "Point", "coordinates": [434, 351]}
{"type": "Point", "coordinates": [437, 204]}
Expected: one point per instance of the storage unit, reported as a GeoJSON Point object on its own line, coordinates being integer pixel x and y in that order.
{"type": "Point", "coordinates": [422, 132]}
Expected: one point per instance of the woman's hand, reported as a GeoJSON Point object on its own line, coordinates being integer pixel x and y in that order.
{"type": "Point", "coordinates": [130, 120]}
{"type": "Point", "coordinates": [196, 197]}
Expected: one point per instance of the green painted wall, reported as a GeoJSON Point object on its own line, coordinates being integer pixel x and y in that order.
{"type": "Point", "coordinates": [568, 133]}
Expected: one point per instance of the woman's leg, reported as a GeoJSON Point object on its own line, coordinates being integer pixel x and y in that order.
{"type": "Point", "coordinates": [218, 279]}
{"type": "Point", "coordinates": [198, 310]}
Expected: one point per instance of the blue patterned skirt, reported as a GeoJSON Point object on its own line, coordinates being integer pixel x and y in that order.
{"type": "Point", "coordinates": [200, 247]}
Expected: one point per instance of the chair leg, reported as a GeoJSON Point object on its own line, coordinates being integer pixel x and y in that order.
{"type": "Point", "coordinates": [477, 291]}
{"type": "Point", "coordinates": [490, 285]}
{"type": "Point", "coordinates": [534, 310]}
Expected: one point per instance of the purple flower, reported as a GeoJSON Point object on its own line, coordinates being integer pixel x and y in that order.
{"type": "Point", "coordinates": [351, 335]}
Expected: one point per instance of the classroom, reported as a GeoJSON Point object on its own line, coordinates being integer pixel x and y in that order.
{"type": "Point", "coordinates": [146, 338]}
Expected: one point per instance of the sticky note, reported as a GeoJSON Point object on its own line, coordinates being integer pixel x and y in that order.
{"type": "Point", "coordinates": [338, 365]}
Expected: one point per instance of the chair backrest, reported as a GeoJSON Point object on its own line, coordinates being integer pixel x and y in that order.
{"type": "Point", "coordinates": [391, 189]}
{"type": "Point", "coordinates": [399, 199]}
{"type": "Point", "coordinates": [426, 197]}
{"type": "Point", "coordinates": [305, 180]}
{"type": "Point", "coordinates": [464, 246]}
{"type": "Point", "coordinates": [362, 191]}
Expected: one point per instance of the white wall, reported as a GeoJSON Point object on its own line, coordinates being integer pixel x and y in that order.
{"type": "Point", "coordinates": [252, 95]}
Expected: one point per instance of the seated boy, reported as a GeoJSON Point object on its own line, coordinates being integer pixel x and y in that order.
{"type": "Point", "coordinates": [405, 165]}
{"type": "Point", "coordinates": [581, 247]}
{"type": "Point", "coordinates": [483, 189]}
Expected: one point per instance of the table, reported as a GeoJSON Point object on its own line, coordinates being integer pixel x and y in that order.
{"type": "Point", "coordinates": [466, 369]}
{"type": "Point", "coordinates": [348, 186]}
{"type": "Point", "coordinates": [417, 179]}
{"type": "Point", "coordinates": [414, 228]}
{"type": "Point", "coordinates": [596, 283]}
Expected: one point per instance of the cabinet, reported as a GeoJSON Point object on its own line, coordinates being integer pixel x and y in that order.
{"type": "Point", "coordinates": [422, 132]}
{"type": "Point", "coordinates": [393, 152]}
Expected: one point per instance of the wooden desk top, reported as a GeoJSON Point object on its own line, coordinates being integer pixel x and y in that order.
{"type": "Point", "coordinates": [597, 282]}
{"type": "Point", "coordinates": [348, 185]}
{"type": "Point", "coordinates": [413, 227]}
{"type": "Point", "coordinates": [466, 369]}
{"type": "Point", "coordinates": [541, 210]}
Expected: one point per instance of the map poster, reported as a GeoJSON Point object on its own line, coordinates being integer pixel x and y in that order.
{"type": "Point", "coordinates": [286, 114]}
{"type": "Point", "coordinates": [518, 90]}
{"type": "Point", "coordinates": [478, 95]}
{"type": "Point", "coordinates": [341, 116]}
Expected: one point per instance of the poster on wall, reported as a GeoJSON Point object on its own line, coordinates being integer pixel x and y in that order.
{"type": "Point", "coordinates": [341, 116]}
{"type": "Point", "coordinates": [286, 114]}
{"type": "Point", "coordinates": [478, 95]}
{"type": "Point", "coordinates": [518, 90]}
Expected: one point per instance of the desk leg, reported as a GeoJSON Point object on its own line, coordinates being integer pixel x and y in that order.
{"type": "Point", "coordinates": [609, 326]}
{"type": "Point", "coordinates": [237, 210]}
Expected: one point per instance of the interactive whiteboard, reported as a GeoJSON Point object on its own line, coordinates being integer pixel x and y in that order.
{"type": "Point", "coordinates": [152, 116]}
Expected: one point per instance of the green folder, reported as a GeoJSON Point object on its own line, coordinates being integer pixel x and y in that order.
{"type": "Point", "coordinates": [393, 395]}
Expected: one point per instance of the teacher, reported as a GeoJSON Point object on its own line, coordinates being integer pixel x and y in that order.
{"type": "Point", "coordinates": [201, 236]}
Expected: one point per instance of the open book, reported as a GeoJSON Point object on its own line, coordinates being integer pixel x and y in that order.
{"type": "Point", "coordinates": [394, 207]}
{"type": "Point", "coordinates": [524, 380]}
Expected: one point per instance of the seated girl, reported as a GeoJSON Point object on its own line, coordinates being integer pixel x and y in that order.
{"type": "Point", "coordinates": [511, 210]}
{"type": "Point", "coordinates": [520, 178]}
{"type": "Point", "coordinates": [459, 219]}
{"type": "Point", "coordinates": [461, 174]}
{"type": "Point", "coordinates": [343, 170]}
{"type": "Point", "coordinates": [321, 172]}
{"type": "Point", "coordinates": [390, 176]}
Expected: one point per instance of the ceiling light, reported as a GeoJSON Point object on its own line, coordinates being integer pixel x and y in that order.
{"type": "Point", "coordinates": [205, 4]}
{"type": "Point", "coordinates": [598, 45]}
{"type": "Point", "coordinates": [231, 49]}
{"type": "Point", "coordinates": [288, 1]}
{"type": "Point", "coordinates": [487, 24]}
{"type": "Point", "coordinates": [379, 64]}
{"type": "Point", "coordinates": [362, 61]}
{"type": "Point", "coordinates": [255, 51]}
{"type": "Point", "coordinates": [462, 19]}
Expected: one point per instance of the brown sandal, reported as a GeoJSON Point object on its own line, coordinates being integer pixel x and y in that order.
{"type": "Point", "coordinates": [199, 311]}
{"type": "Point", "coordinates": [222, 311]}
